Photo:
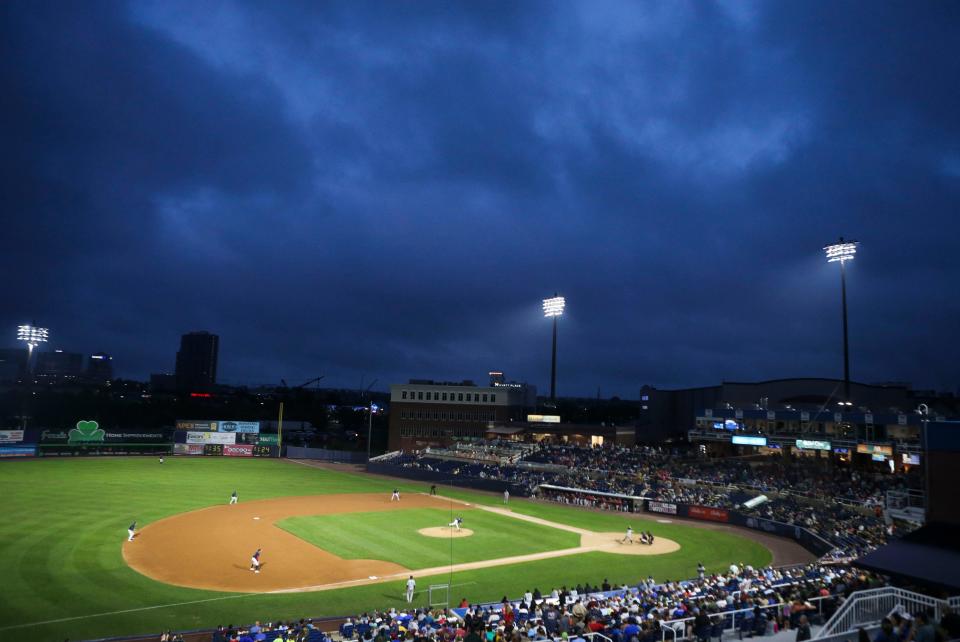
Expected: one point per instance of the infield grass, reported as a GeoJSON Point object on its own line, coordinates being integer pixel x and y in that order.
{"type": "Point", "coordinates": [392, 536]}
{"type": "Point", "coordinates": [65, 522]}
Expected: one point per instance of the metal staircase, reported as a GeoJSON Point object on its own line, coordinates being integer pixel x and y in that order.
{"type": "Point", "coordinates": [867, 608]}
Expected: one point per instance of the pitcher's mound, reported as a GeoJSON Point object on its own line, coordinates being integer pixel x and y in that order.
{"type": "Point", "coordinates": [445, 531]}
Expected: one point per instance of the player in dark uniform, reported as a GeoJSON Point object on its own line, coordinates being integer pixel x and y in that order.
{"type": "Point", "coordinates": [255, 562]}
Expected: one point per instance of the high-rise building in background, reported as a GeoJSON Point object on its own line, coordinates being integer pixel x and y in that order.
{"type": "Point", "coordinates": [197, 361]}
{"type": "Point", "coordinates": [59, 365]}
{"type": "Point", "coordinates": [100, 367]}
{"type": "Point", "coordinates": [13, 364]}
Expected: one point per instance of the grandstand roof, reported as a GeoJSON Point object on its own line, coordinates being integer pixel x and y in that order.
{"type": "Point", "coordinates": [929, 555]}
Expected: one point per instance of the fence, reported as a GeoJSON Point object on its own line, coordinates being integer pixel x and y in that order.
{"type": "Point", "coordinates": [322, 454]}
{"type": "Point", "coordinates": [675, 630]}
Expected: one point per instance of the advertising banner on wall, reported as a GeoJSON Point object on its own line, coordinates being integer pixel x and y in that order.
{"type": "Point", "coordinates": [11, 436]}
{"type": "Point", "coordinates": [89, 433]}
{"type": "Point", "coordinates": [188, 449]}
{"type": "Point", "coordinates": [662, 507]}
{"type": "Point", "coordinates": [269, 438]}
{"type": "Point", "coordinates": [239, 426]}
{"type": "Point", "coordinates": [17, 451]}
{"type": "Point", "coordinates": [745, 440]}
{"type": "Point", "coordinates": [813, 444]}
{"type": "Point", "coordinates": [243, 450]}
{"type": "Point", "coordinates": [211, 438]}
{"type": "Point", "coordinates": [205, 425]}
{"type": "Point", "coordinates": [711, 514]}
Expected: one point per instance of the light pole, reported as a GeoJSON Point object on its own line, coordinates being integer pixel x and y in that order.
{"type": "Point", "coordinates": [370, 410]}
{"type": "Point", "coordinates": [841, 252]}
{"type": "Point", "coordinates": [32, 336]}
{"type": "Point", "coordinates": [553, 307]}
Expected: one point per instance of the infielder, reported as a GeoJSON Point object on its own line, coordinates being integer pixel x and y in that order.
{"type": "Point", "coordinates": [411, 585]}
{"type": "Point", "coordinates": [131, 531]}
{"type": "Point", "coordinates": [233, 497]}
{"type": "Point", "coordinates": [456, 523]}
{"type": "Point", "coordinates": [629, 536]}
{"type": "Point", "coordinates": [255, 562]}
{"type": "Point", "coordinates": [396, 495]}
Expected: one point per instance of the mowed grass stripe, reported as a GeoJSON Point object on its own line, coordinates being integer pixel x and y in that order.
{"type": "Point", "coordinates": [393, 536]}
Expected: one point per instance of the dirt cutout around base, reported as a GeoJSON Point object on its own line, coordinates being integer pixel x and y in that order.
{"type": "Point", "coordinates": [211, 548]}
{"type": "Point", "coordinates": [613, 543]}
{"type": "Point", "coordinates": [445, 532]}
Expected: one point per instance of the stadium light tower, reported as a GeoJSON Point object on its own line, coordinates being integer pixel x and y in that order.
{"type": "Point", "coordinates": [841, 252]}
{"type": "Point", "coordinates": [32, 336]}
{"type": "Point", "coordinates": [553, 307]}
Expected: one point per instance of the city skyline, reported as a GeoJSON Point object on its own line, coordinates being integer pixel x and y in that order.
{"type": "Point", "coordinates": [390, 193]}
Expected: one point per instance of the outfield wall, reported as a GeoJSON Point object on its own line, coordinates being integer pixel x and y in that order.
{"type": "Point", "coordinates": [432, 476]}
{"type": "Point", "coordinates": [807, 539]}
{"type": "Point", "coordinates": [324, 454]}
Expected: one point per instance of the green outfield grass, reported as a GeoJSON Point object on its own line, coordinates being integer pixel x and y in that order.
{"type": "Point", "coordinates": [64, 522]}
{"type": "Point", "coordinates": [392, 536]}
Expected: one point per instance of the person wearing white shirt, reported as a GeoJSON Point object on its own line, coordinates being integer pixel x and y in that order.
{"type": "Point", "coordinates": [411, 586]}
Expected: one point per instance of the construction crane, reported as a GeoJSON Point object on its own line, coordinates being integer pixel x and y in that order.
{"type": "Point", "coordinates": [304, 385]}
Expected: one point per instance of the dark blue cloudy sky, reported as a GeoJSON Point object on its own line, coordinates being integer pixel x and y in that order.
{"type": "Point", "coordinates": [387, 189]}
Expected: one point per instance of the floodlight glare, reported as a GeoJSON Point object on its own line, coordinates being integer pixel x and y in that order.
{"type": "Point", "coordinates": [32, 335]}
{"type": "Point", "coordinates": [840, 251]}
{"type": "Point", "coordinates": [553, 307]}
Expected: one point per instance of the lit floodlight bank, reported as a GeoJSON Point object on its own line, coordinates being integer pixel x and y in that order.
{"type": "Point", "coordinates": [841, 251]}
{"type": "Point", "coordinates": [553, 307]}
{"type": "Point", "coordinates": [32, 335]}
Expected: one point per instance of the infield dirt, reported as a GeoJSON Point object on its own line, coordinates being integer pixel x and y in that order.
{"type": "Point", "coordinates": [211, 548]}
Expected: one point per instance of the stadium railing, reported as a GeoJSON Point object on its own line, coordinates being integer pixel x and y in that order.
{"type": "Point", "coordinates": [731, 621]}
{"type": "Point", "coordinates": [867, 608]}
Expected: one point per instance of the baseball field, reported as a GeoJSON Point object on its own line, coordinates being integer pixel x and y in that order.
{"type": "Point", "coordinates": [333, 544]}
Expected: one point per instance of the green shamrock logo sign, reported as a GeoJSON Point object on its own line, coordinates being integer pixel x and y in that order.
{"type": "Point", "coordinates": [86, 432]}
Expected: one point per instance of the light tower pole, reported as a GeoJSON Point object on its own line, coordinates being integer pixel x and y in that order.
{"type": "Point", "coordinates": [553, 307]}
{"type": "Point", "coordinates": [32, 336]}
{"type": "Point", "coordinates": [841, 252]}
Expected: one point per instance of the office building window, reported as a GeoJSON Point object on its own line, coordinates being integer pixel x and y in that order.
{"type": "Point", "coordinates": [493, 398]}
{"type": "Point", "coordinates": [460, 396]}
{"type": "Point", "coordinates": [403, 395]}
{"type": "Point", "coordinates": [484, 398]}
{"type": "Point", "coordinates": [420, 396]}
{"type": "Point", "coordinates": [444, 396]}
{"type": "Point", "coordinates": [476, 396]}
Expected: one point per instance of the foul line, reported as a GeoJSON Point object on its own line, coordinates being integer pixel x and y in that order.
{"type": "Point", "coordinates": [141, 608]}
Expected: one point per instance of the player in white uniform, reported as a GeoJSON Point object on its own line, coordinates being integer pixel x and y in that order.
{"type": "Point", "coordinates": [233, 498]}
{"type": "Point", "coordinates": [456, 523]}
{"type": "Point", "coordinates": [131, 531]}
{"type": "Point", "coordinates": [506, 496]}
{"type": "Point", "coordinates": [629, 536]}
{"type": "Point", "coordinates": [411, 586]}
{"type": "Point", "coordinates": [396, 495]}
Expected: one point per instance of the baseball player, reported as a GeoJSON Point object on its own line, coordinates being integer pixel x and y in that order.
{"type": "Point", "coordinates": [456, 523]}
{"type": "Point", "coordinates": [628, 538]}
{"type": "Point", "coordinates": [396, 495]}
{"type": "Point", "coordinates": [233, 497]}
{"type": "Point", "coordinates": [161, 459]}
{"type": "Point", "coordinates": [255, 562]}
{"type": "Point", "coordinates": [506, 496]}
{"type": "Point", "coordinates": [411, 585]}
{"type": "Point", "coordinates": [131, 531]}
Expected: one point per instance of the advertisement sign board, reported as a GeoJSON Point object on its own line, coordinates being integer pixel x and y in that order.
{"type": "Point", "coordinates": [188, 449]}
{"type": "Point", "coordinates": [870, 449]}
{"type": "Point", "coordinates": [243, 450]}
{"type": "Point", "coordinates": [206, 426]}
{"type": "Point", "coordinates": [707, 513]}
{"type": "Point", "coordinates": [17, 451]}
{"type": "Point", "coordinates": [269, 438]}
{"type": "Point", "coordinates": [89, 433]}
{"type": "Point", "coordinates": [11, 436]}
{"type": "Point", "coordinates": [543, 419]}
{"type": "Point", "coordinates": [745, 440]}
{"type": "Point", "coordinates": [211, 438]}
{"type": "Point", "coordinates": [813, 444]}
{"type": "Point", "coordinates": [239, 426]}
{"type": "Point", "coordinates": [662, 507]}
